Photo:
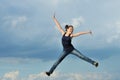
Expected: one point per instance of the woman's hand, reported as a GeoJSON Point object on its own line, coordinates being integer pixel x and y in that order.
{"type": "Point", "coordinates": [54, 16]}
{"type": "Point", "coordinates": [90, 32]}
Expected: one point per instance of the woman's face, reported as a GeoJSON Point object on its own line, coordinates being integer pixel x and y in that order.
{"type": "Point", "coordinates": [70, 30]}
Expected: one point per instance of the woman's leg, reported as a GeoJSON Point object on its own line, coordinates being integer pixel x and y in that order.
{"type": "Point", "coordinates": [80, 55]}
{"type": "Point", "coordinates": [64, 54]}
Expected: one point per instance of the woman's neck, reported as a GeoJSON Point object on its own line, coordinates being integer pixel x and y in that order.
{"type": "Point", "coordinates": [67, 34]}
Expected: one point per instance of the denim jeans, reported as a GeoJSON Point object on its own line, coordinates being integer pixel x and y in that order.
{"type": "Point", "coordinates": [64, 54]}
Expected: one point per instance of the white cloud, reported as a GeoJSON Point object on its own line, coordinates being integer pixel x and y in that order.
{"type": "Point", "coordinates": [17, 28]}
{"type": "Point", "coordinates": [59, 76]}
{"type": "Point", "coordinates": [11, 75]}
{"type": "Point", "coordinates": [76, 22]}
{"type": "Point", "coordinates": [54, 3]}
{"type": "Point", "coordinates": [18, 21]}
{"type": "Point", "coordinates": [115, 30]}
{"type": "Point", "coordinates": [73, 76]}
{"type": "Point", "coordinates": [14, 21]}
{"type": "Point", "coordinates": [113, 38]}
{"type": "Point", "coordinates": [118, 26]}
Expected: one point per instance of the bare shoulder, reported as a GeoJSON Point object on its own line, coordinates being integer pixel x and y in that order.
{"type": "Point", "coordinates": [71, 35]}
{"type": "Point", "coordinates": [63, 33]}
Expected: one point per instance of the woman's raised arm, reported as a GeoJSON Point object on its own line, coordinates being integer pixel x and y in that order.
{"type": "Point", "coordinates": [58, 25]}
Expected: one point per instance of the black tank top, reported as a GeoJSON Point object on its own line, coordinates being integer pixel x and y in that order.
{"type": "Point", "coordinates": [66, 42]}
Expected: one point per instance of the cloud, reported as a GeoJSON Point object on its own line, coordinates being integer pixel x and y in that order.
{"type": "Point", "coordinates": [57, 2]}
{"type": "Point", "coordinates": [76, 22]}
{"type": "Point", "coordinates": [113, 38]}
{"type": "Point", "coordinates": [27, 27]}
{"type": "Point", "coordinates": [18, 21]}
{"type": "Point", "coordinates": [115, 32]}
{"type": "Point", "coordinates": [14, 60]}
{"type": "Point", "coordinates": [117, 24]}
{"type": "Point", "coordinates": [60, 76]}
{"type": "Point", "coordinates": [11, 75]}
{"type": "Point", "coordinates": [15, 21]}
{"type": "Point", "coordinates": [54, 2]}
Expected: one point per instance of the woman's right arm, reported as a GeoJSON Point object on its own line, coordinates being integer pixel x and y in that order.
{"type": "Point", "coordinates": [58, 25]}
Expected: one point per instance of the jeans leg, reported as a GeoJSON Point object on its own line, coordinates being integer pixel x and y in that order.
{"type": "Point", "coordinates": [64, 54]}
{"type": "Point", "coordinates": [80, 55]}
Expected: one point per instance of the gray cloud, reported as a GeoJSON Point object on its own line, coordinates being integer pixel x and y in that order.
{"type": "Point", "coordinates": [27, 29]}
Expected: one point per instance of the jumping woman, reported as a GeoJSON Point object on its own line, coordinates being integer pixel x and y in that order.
{"type": "Point", "coordinates": [68, 48]}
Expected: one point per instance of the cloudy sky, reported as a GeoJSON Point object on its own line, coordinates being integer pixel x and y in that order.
{"type": "Point", "coordinates": [30, 42]}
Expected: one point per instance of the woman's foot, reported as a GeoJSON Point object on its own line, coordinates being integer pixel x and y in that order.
{"type": "Point", "coordinates": [96, 64]}
{"type": "Point", "coordinates": [48, 73]}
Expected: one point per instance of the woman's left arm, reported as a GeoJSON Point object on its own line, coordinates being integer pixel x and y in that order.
{"type": "Point", "coordinates": [81, 33]}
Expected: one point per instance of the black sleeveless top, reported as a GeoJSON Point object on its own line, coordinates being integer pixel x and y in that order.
{"type": "Point", "coordinates": [66, 42]}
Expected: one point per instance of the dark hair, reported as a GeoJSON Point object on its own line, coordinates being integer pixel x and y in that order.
{"type": "Point", "coordinates": [67, 26]}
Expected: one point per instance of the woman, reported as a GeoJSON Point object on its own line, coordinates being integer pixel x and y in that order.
{"type": "Point", "coordinates": [68, 48]}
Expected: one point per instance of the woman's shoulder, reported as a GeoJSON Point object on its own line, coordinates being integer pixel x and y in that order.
{"type": "Point", "coordinates": [63, 33]}
{"type": "Point", "coordinates": [71, 35]}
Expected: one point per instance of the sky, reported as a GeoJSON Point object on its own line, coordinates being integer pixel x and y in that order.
{"type": "Point", "coordinates": [30, 43]}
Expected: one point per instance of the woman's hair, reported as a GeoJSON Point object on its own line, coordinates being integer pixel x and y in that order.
{"type": "Point", "coordinates": [68, 26]}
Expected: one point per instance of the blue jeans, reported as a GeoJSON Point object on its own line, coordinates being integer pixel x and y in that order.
{"type": "Point", "coordinates": [74, 52]}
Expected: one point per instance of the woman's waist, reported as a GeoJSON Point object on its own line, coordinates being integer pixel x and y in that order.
{"type": "Point", "coordinates": [68, 46]}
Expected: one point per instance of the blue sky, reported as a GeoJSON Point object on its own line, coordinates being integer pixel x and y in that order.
{"type": "Point", "coordinates": [30, 43]}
